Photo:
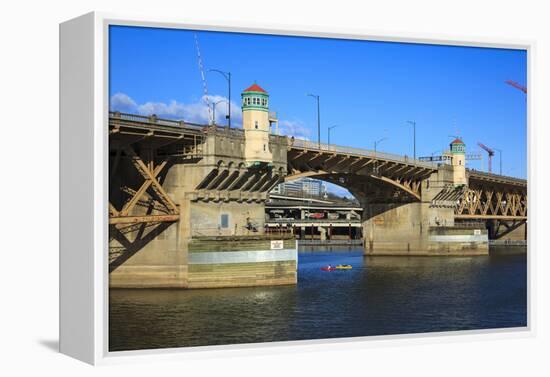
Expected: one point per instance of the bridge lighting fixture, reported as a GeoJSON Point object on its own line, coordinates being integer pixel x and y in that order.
{"type": "Point", "coordinates": [214, 104]}
{"type": "Point", "coordinates": [375, 146]}
{"type": "Point", "coordinates": [413, 123]}
{"type": "Point", "coordinates": [227, 76]}
{"type": "Point", "coordinates": [378, 142]}
{"type": "Point", "coordinates": [318, 118]}
{"type": "Point", "coordinates": [499, 159]}
{"type": "Point", "coordinates": [330, 128]}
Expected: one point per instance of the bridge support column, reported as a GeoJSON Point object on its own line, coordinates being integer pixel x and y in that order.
{"type": "Point", "coordinates": [416, 229]}
{"type": "Point", "coordinates": [393, 229]}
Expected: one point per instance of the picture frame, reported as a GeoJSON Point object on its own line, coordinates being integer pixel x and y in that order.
{"type": "Point", "coordinates": [84, 118]}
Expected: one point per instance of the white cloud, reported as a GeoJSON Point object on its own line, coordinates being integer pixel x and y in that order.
{"type": "Point", "coordinates": [196, 112]}
{"type": "Point", "coordinates": [123, 103]}
{"type": "Point", "coordinates": [294, 128]}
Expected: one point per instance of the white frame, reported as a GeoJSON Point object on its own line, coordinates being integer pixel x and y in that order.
{"type": "Point", "coordinates": [84, 199]}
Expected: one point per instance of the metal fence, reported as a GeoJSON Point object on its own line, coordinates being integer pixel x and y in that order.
{"type": "Point", "coordinates": [357, 242]}
{"type": "Point", "coordinates": [508, 242]}
{"type": "Point", "coordinates": [320, 221]}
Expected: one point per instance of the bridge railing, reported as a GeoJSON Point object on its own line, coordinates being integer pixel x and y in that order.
{"type": "Point", "coordinates": [320, 221]}
{"type": "Point", "coordinates": [507, 243]}
{"type": "Point", "coordinates": [495, 176]}
{"type": "Point", "coordinates": [336, 242]}
{"type": "Point", "coordinates": [306, 144]}
{"type": "Point", "coordinates": [154, 120]}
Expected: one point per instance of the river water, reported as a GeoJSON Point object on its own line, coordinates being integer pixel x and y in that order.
{"type": "Point", "coordinates": [380, 295]}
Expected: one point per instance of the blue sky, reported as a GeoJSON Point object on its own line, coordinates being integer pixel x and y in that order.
{"type": "Point", "coordinates": [369, 89]}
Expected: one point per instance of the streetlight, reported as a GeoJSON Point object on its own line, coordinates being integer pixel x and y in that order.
{"type": "Point", "coordinates": [413, 123]}
{"type": "Point", "coordinates": [227, 76]}
{"type": "Point", "coordinates": [375, 146]}
{"type": "Point", "coordinates": [378, 142]}
{"type": "Point", "coordinates": [214, 104]}
{"type": "Point", "coordinates": [330, 128]}
{"type": "Point", "coordinates": [318, 118]}
{"type": "Point", "coordinates": [499, 158]}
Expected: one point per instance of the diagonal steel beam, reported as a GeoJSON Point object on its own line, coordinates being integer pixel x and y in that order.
{"type": "Point", "coordinates": [150, 182]}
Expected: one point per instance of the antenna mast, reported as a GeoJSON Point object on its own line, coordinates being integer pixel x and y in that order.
{"type": "Point", "coordinates": [203, 77]}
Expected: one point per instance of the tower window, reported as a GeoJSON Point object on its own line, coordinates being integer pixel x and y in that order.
{"type": "Point", "coordinates": [256, 124]}
{"type": "Point", "coordinates": [264, 147]}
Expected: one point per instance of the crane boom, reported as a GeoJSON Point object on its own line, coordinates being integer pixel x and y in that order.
{"type": "Point", "coordinates": [490, 152]}
{"type": "Point", "coordinates": [516, 85]}
{"type": "Point", "coordinates": [203, 77]}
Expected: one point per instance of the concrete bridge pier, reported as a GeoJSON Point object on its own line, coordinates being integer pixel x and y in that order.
{"type": "Point", "coordinates": [393, 229]}
{"type": "Point", "coordinates": [425, 226]}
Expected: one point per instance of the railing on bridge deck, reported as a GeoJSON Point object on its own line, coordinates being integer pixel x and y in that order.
{"type": "Point", "coordinates": [493, 176]}
{"type": "Point", "coordinates": [153, 120]}
{"type": "Point", "coordinates": [309, 145]}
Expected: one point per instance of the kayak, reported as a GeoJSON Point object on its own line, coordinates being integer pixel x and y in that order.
{"type": "Point", "coordinates": [328, 268]}
{"type": "Point", "coordinates": [344, 267]}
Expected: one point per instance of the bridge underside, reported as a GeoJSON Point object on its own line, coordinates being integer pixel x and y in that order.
{"type": "Point", "coordinates": [376, 177]}
{"type": "Point", "coordinates": [140, 209]}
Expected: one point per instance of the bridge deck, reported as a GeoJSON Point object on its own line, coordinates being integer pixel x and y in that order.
{"type": "Point", "coordinates": [299, 144]}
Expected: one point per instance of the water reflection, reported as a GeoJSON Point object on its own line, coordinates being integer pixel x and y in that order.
{"type": "Point", "coordinates": [380, 295]}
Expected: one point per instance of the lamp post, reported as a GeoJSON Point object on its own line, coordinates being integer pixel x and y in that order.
{"type": "Point", "coordinates": [318, 118]}
{"type": "Point", "coordinates": [499, 159]}
{"type": "Point", "coordinates": [227, 76]}
{"type": "Point", "coordinates": [413, 123]}
{"type": "Point", "coordinates": [375, 146]}
{"type": "Point", "coordinates": [214, 104]}
{"type": "Point", "coordinates": [330, 128]}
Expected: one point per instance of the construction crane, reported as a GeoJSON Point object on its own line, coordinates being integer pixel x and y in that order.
{"type": "Point", "coordinates": [203, 78]}
{"type": "Point", "coordinates": [516, 85]}
{"type": "Point", "coordinates": [489, 151]}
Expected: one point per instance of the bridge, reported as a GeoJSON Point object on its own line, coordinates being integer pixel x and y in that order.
{"type": "Point", "coordinates": [173, 182]}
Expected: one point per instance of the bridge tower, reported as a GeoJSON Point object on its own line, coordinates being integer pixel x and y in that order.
{"type": "Point", "coordinates": [458, 162]}
{"type": "Point", "coordinates": [255, 106]}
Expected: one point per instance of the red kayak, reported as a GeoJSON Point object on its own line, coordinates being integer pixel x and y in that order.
{"type": "Point", "coordinates": [328, 268]}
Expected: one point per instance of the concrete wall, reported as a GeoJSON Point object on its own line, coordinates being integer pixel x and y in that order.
{"type": "Point", "coordinates": [242, 218]}
{"type": "Point", "coordinates": [216, 262]}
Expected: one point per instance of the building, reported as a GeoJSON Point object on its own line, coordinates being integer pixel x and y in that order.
{"type": "Point", "coordinates": [256, 125]}
{"type": "Point", "coordinates": [458, 161]}
{"type": "Point", "coordinates": [306, 187]}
